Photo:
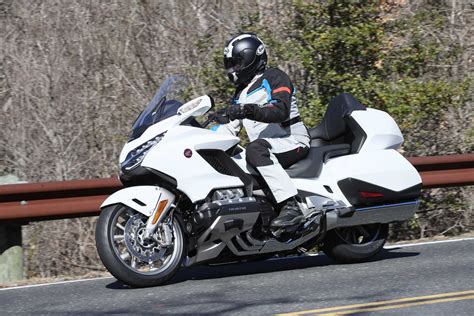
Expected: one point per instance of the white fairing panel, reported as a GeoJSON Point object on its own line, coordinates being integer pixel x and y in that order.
{"type": "Point", "coordinates": [142, 198]}
{"type": "Point", "coordinates": [194, 176]}
{"type": "Point", "coordinates": [381, 130]}
{"type": "Point", "coordinates": [150, 133]}
{"type": "Point", "coordinates": [385, 168]}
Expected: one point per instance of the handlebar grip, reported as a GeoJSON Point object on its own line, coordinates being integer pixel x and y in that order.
{"type": "Point", "coordinates": [222, 112]}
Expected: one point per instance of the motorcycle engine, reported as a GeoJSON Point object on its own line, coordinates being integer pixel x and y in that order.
{"type": "Point", "coordinates": [233, 202]}
{"type": "Point", "coordinates": [222, 202]}
{"type": "Point", "coordinates": [227, 194]}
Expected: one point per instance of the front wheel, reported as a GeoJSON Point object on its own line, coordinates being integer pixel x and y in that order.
{"type": "Point", "coordinates": [133, 259]}
{"type": "Point", "coordinates": [356, 243]}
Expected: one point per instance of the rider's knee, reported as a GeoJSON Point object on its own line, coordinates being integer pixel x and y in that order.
{"type": "Point", "coordinates": [258, 153]}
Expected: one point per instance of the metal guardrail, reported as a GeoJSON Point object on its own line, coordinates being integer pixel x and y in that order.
{"type": "Point", "coordinates": [445, 171]}
{"type": "Point", "coordinates": [77, 198]}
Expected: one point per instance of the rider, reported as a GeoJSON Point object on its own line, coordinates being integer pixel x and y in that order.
{"type": "Point", "coordinates": [265, 104]}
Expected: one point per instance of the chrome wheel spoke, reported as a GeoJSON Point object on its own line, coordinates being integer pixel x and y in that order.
{"type": "Point", "coordinates": [355, 240]}
{"type": "Point", "coordinates": [347, 234]}
{"type": "Point", "coordinates": [363, 231]}
{"type": "Point", "coordinates": [151, 266]}
{"type": "Point", "coordinates": [125, 256]}
{"type": "Point", "coordinates": [134, 262]}
{"type": "Point", "coordinates": [120, 226]}
{"type": "Point", "coordinates": [119, 238]}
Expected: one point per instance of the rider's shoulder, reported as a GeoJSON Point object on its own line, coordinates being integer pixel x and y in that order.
{"type": "Point", "coordinates": [274, 71]}
{"type": "Point", "coordinates": [275, 74]}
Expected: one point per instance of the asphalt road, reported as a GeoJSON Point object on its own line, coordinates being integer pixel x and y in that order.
{"type": "Point", "coordinates": [413, 280]}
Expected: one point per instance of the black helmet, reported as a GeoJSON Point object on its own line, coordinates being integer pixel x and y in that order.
{"type": "Point", "coordinates": [244, 57]}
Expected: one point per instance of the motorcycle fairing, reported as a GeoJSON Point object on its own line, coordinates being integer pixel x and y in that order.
{"type": "Point", "coordinates": [384, 168]}
{"type": "Point", "coordinates": [193, 108]}
{"type": "Point", "coordinates": [193, 174]}
{"type": "Point", "coordinates": [381, 130]}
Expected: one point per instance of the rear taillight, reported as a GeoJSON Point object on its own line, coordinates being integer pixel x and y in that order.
{"type": "Point", "coordinates": [368, 195]}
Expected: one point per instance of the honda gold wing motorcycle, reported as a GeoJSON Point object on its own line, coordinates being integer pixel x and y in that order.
{"type": "Point", "coordinates": [190, 198]}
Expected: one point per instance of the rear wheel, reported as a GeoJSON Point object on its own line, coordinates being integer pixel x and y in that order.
{"type": "Point", "coordinates": [356, 243]}
{"type": "Point", "coordinates": [133, 259]}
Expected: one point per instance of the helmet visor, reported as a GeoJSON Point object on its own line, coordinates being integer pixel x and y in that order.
{"type": "Point", "coordinates": [233, 64]}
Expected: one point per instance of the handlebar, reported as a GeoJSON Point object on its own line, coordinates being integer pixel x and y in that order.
{"type": "Point", "coordinates": [219, 116]}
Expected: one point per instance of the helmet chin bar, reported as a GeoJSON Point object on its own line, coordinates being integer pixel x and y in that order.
{"type": "Point", "coordinates": [233, 77]}
{"type": "Point", "coordinates": [238, 80]}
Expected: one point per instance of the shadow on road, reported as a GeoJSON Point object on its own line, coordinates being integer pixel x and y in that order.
{"type": "Point", "coordinates": [267, 266]}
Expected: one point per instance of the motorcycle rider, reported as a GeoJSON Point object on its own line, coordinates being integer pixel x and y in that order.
{"type": "Point", "coordinates": [265, 104]}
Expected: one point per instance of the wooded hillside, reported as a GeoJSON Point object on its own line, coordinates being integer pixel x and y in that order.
{"type": "Point", "coordinates": [74, 75]}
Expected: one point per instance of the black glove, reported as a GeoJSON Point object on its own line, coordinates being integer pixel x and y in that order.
{"type": "Point", "coordinates": [240, 111]}
{"type": "Point", "coordinates": [221, 116]}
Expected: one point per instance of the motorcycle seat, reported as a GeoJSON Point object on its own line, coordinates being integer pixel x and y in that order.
{"type": "Point", "coordinates": [333, 124]}
{"type": "Point", "coordinates": [311, 166]}
{"type": "Point", "coordinates": [336, 135]}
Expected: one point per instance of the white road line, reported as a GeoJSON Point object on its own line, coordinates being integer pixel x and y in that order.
{"type": "Point", "coordinates": [391, 246]}
{"type": "Point", "coordinates": [53, 283]}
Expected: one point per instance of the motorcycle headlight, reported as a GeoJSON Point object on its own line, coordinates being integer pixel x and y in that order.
{"type": "Point", "coordinates": [135, 157]}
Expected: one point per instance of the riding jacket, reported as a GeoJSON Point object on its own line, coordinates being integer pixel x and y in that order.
{"type": "Point", "coordinates": [275, 113]}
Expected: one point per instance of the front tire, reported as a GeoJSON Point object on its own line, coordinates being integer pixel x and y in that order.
{"type": "Point", "coordinates": [355, 244]}
{"type": "Point", "coordinates": [134, 261]}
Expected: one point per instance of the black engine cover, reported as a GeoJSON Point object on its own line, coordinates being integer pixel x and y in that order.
{"type": "Point", "coordinates": [207, 213]}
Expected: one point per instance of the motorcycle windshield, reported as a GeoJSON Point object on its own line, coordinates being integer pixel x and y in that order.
{"type": "Point", "coordinates": [164, 104]}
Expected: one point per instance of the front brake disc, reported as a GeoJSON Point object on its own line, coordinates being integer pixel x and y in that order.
{"type": "Point", "coordinates": [146, 250]}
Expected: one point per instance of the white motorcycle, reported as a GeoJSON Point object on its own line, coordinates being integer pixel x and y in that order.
{"type": "Point", "coordinates": [190, 198]}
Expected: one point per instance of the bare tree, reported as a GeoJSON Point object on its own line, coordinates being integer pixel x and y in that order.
{"type": "Point", "coordinates": [74, 74]}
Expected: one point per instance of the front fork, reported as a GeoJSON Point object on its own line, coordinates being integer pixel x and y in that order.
{"type": "Point", "coordinates": [162, 208]}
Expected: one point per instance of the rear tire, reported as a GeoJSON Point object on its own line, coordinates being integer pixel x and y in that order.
{"type": "Point", "coordinates": [109, 249]}
{"type": "Point", "coordinates": [355, 244]}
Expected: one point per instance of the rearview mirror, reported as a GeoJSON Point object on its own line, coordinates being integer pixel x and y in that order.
{"type": "Point", "coordinates": [196, 107]}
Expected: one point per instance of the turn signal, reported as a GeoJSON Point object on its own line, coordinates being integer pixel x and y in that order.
{"type": "Point", "coordinates": [159, 210]}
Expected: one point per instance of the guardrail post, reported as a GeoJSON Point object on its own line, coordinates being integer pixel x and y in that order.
{"type": "Point", "coordinates": [11, 253]}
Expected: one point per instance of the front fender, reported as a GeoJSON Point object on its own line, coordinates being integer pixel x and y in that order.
{"type": "Point", "coordinates": [143, 198]}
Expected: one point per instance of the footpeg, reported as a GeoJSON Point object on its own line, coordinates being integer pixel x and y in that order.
{"type": "Point", "coordinates": [254, 241]}
{"type": "Point", "coordinates": [285, 233]}
{"type": "Point", "coordinates": [295, 221]}
{"type": "Point", "coordinates": [277, 233]}
{"type": "Point", "coordinates": [312, 224]}
{"type": "Point", "coordinates": [306, 225]}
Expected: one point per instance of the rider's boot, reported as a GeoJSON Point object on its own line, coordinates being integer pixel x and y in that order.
{"type": "Point", "coordinates": [290, 214]}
